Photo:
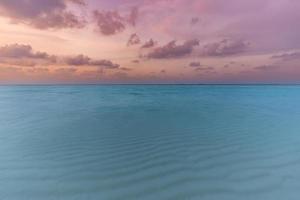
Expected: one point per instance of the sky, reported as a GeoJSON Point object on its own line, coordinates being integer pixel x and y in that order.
{"type": "Point", "coordinates": [149, 41]}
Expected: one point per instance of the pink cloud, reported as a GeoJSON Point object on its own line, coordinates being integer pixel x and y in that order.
{"type": "Point", "coordinates": [42, 14]}
{"type": "Point", "coordinates": [172, 50]}
{"type": "Point", "coordinates": [134, 39]}
{"type": "Point", "coordinates": [225, 47]}
{"type": "Point", "coordinates": [23, 55]}
{"type": "Point", "coordinates": [148, 44]}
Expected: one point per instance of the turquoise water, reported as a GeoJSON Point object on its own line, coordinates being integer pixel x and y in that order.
{"type": "Point", "coordinates": [150, 142]}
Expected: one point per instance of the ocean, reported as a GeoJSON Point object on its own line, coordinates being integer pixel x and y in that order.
{"type": "Point", "coordinates": [150, 142]}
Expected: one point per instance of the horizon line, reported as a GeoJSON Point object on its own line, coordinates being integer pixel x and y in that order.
{"type": "Point", "coordinates": [158, 84]}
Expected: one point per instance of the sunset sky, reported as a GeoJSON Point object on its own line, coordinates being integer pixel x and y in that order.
{"type": "Point", "coordinates": [149, 41]}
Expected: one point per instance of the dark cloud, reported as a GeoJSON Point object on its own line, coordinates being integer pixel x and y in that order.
{"type": "Point", "coordinates": [136, 61]}
{"type": "Point", "coordinates": [225, 47]}
{"type": "Point", "coordinates": [195, 64]}
{"type": "Point", "coordinates": [287, 56]}
{"type": "Point", "coordinates": [194, 21]}
{"type": "Point", "coordinates": [112, 22]}
{"type": "Point", "coordinates": [204, 68]}
{"type": "Point", "coordinates": [23, 55]}
{"type": "Point", "coordinates": [125, 69]}
{"type": "Point", "coordinates": [148, 44]}
{"type": "Point", "coordinates": [64, 20]}
{"type": "Point", "coordinates": [82, 60]}
{"type": "Point", "coordinates": [21, 51]}
{"type": "Point", "coordinates": [109, 22]}
{"type": "Point", "coordinates": [172, 50]}
{"type": "Point", "coordinates": [78, 60]}
{"type": "Point", "coordinates": [104, 63]}
{"type": "Point", "coordinates": [42, 14]}
{"type": "Point", "coordinates": [199, 67]}
{"type": "Point", "coordinates": [266, 67]}
{"type": "Point", "coordinates": [134, 39]}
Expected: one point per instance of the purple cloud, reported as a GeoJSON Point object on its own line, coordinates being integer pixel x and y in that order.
{"type": "Point", "coordinates": [78, 60]}
{"type": "Point", "coordinates": [204, 69]}
{"type": "Point", "coordinates": [104, 63]}
{"type": "Point", "coordinates": [148, 44]}
{"type": "Point", "coordinates": [134, 39]}
{"type": "Point", "coordinates": [109, 22]}
{"type": "Point", "coordinates": [266, 67]}
{"type": "Point", "coordinates": [135, 61]}
{"type": "Point", "coordinates": [194, 21]}
{"type": "Point", "coordinates": [42, 14]}
{"type": "Point", "coordinates": [195, 64]}
{"type": "Point", "coordinates": [287, 56]}
{"type": "Point", "coordinates": [112, 22]}
{"type": "Point", "coordinates": [199, 67]}
{"type": "Point", "coordinates": [125, 69]}
{"type": "Point", "coordinates": [172, 50]}
{"type": "Point", "coordinates": [23, 55]}
{"type": "Point", "coordinates": [21, 51]}
{"type": "Point", "coordinates": [225, 47]}
{"type": "Point", "coordinates": [82, 60]}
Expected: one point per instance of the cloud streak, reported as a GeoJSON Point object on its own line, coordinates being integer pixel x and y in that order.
{"type": "Point", "coordinates": [225, 47]}
{"type": "Point", "coordinates": [266, 67]}
{"type": "Point", "coordinates": [19, 54]}
{"type": "Point", "coordinates": [287, 56]}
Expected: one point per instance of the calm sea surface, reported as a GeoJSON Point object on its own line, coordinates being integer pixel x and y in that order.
{"type": "Point", "coordinates": [150, 142]}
